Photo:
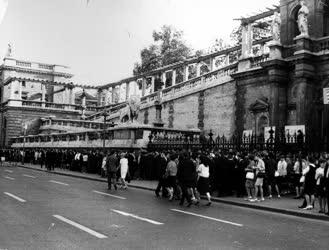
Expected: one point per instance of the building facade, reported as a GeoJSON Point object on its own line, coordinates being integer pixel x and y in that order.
{"type": "Point", "coordinates": [273, 79]}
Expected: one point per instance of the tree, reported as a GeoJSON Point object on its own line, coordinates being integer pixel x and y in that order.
{"type": "Point", "coordinates": [169, 47]}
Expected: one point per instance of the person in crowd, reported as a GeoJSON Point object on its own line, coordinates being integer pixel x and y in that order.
{"type": "Point", "coordinates": [203, 171]}
{"type": "Point", "coordinates": [84, 162]}
{"type": "Point", "coordinates": [123, 170]}
{"type": "Point", "coordinates": [320, 188]}
{"type": "Point", "coordinates": [111, 169]}
{"type": "Point", "coordinates": [260, 175]}
{"type": "Point", "coordinates": [186, 176]}
{"type": "Point", "coordinates": [280, 174]}
{"type": "Point", "coordinates": [161, 164]}
{"type": "Point", "coordinates": [310, 183]}
{"type": "Point", "coordinates": [170, 175]}
{"type": "Point", "coordinates": [270, 168]}
{"type": "Point", "coordinates": [299, 166]}
{"type": "Point", "coordinates": [250, 179]}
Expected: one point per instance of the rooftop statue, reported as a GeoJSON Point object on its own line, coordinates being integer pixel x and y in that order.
{"type": "Point", "coordinates": [9, 50]}
{"type": "Point", "coordinates": [302, 19]}
{"type": "Point", "coordinates": [276, 23]}
{"type": "Point", "coordinates": [130, 112]}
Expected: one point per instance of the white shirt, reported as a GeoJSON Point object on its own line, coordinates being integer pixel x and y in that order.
{"type": "Point", "coordinates": [203, 171]}
{"type": "Point", "coordinates": [319, 173]}
{"type": "Point", "coordinates": [85, 158]}
{"type": "Point", "coordinates": [282, 168]}
{"type": "Point", "coordinates": [124, 163]}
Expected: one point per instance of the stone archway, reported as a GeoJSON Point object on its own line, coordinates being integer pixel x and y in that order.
{"type": "Point", "coordinates": [293, 17]}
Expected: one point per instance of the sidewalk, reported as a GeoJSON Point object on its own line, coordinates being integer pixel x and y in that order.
{"type": "Point", "coordinates": [285, 205]}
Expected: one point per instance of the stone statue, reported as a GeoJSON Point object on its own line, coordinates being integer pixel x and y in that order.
{"type": "Point", "coordinates": [9, 50]}
{"type": "Point", "coordinates": [130, 112]}
{"type": "Point", "coordinates": [276, 23]}
{"type": "Point", "coordinates": [302, 19]}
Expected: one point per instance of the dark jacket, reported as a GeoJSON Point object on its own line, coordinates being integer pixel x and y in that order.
{"type": "Point", "coordinates": [112, 164]}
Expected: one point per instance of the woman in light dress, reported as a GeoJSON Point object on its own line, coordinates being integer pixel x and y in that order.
{"type": "Point", "coordinates": [123, 170]}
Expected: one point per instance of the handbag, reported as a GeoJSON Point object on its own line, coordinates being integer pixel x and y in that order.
{"type": "Point", "coordinates": [250, 175]}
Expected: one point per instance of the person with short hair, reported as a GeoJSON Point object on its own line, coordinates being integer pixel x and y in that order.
{"type": "Point", "coordinates": [260, 174]}
{"type": "Point", "coordinates": [203, 185]}
{"type": "Point", "coordinates": [250, 179]}
{"type": "Point", "coordinates": [111, 163]}
{"type": "Point", "coordinates": [310, 183]}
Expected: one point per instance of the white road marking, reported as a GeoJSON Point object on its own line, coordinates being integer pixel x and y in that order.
{"type": "Point", "coordinates": [111, 195]}
{"type": "Point", "coordinates": [15, 197]}
{"type": "Point", "coordinates": [9, 171]}
{"type": "Point", "coordinates": [137, 217]}
{"type": "Point", "coordinates": [30, 176]}
{"type": "Point", "coordinates": [9, 178]}
{"type": "Point", "coordinates": [81, 227]}
{"type": "Point", "coordinates": [60, 183]}
{"type": "Point", "coordinates": [207, 217]}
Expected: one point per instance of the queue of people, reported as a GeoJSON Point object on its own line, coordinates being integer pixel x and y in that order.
{"type": "Point", "coordinates": [184, 175]}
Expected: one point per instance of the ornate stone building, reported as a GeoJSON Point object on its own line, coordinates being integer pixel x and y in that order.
{"type": "Point", "coordinates": [274, 78]}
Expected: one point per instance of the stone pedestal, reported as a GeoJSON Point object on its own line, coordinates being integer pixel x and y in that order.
{"type": "Point", "coordinates": [303, 43]}
{"type": "Point", "coordinates": [244, 64]}
{"type": "Point", "coordinates": [275, 50]}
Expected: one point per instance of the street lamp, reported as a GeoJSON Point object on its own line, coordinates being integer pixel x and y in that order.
{"type": "Point", "coordinates": [24, 134]}
{"type": "Point", "coordinates": [104, 114]}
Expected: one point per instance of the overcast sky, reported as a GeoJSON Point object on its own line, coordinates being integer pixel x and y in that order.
{"type": "Point", "coordinates": [101, 41]}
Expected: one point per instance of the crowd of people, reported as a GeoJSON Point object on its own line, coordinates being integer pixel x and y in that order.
{"type": "Point", "coordinates": [184, 175]}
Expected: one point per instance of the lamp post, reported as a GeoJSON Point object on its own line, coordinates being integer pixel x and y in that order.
{"type": "Point", "coordinates": [104, 114]}
{"type": "Point", "coordinates": [24, 134]}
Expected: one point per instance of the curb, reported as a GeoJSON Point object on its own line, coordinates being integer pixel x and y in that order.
{"type": "Point", "coordinates": [218, 200]}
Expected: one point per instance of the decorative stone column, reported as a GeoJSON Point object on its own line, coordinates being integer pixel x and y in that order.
{"type": "Point", "coordinates": [198, 69]}
{"type": "Point", "coordinates": [43, 95]}
{"type": "Point", "coordinates": [164, 78]}
{"type": "Point", "coordinates": [143, 86]}
{"type": "Point", "coordinates": [152, 84]}
{"type": "Point", "coordinates": [173, 77]}
{"type": "Point", "coordinates": [211, 64]}
{"type": "Point", "coordinates": [127, 90]}
{"type": "Point", "coordinates": [186, 73]}
{"type": "Point", "coordinates": [245, 62]}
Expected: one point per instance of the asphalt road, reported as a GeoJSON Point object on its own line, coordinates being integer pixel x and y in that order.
{"type": "Point", "coordinates": [42, 210]}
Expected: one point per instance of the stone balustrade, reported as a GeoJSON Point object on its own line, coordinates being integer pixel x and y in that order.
{"type": "Point", "coordinates": [321, 44]}
{"type": "Point", "coordinates": [258, 60]}
{"type": "Point", "coordinates": [9, 61]}
{"type": "Point", "coordinates": [65, 124]}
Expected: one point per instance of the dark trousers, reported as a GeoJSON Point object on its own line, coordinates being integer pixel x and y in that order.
{"type": "Point", "coordinates": [111, 178]}
{"type": "Point", "coordinates": [161, 186]}
{"type": "Point", "coordinates": [185, 194]}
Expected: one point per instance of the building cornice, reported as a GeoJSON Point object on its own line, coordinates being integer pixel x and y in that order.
{"type": "Point", "coordinates": [41, 72]}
